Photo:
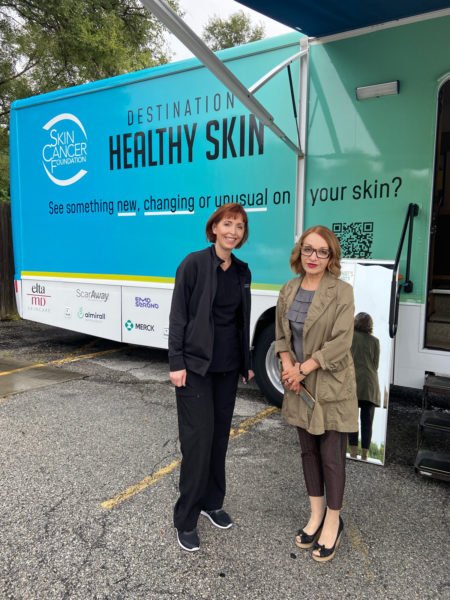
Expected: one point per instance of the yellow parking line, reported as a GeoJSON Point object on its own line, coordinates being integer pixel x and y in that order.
{"type": "Point", "coordinates": [138, 487]}
{"type": "Point", "coordinates": [242, 428]}
{"type": "Point", "coordinates": [83, 356]}
{"type": "Point", "coordinates": [356, 541]}
{"type": "Point", "coordinates": [88, 345]}
{"type": "Point", "coordinates": [150, 479]}
{"type": "Point", "coordinates": [61, 361]}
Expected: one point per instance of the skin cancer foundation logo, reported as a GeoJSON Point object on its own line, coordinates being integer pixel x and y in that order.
{"type": "Point", "coordinates": [66, 151]}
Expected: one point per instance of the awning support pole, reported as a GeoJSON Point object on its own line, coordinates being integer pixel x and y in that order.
{"type": "Point", "coordinates": [258, 85]}
{"type": "Point", "coordinates": [191, 40]}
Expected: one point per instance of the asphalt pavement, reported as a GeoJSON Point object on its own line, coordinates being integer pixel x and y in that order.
{"type": "Point", "coordinates": [89, 465]}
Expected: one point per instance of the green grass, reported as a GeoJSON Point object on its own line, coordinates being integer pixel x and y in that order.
{"type": "Point", "coordinates": [376, 452]}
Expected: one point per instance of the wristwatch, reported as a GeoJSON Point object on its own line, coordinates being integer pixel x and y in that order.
{"type": "Point", "coordinates": [300, 370]}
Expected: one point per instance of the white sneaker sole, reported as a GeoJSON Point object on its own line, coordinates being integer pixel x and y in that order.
{"type": "Point", "coordinates": [194, 549]}
{"type": "Point", "coordinates": [205, 514]}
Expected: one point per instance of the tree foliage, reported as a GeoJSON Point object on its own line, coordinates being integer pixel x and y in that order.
{"type": "Point", "coordinates": [52, 44]}
{"type": "Point", "coordinates": [238, 29]}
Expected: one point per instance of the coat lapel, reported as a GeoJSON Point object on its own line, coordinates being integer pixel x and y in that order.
{"type": "Point", "coordinates": [292, 293]}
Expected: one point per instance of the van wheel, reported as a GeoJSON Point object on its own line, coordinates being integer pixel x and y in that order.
{"type": "Point", "coordinates": [267, 366]}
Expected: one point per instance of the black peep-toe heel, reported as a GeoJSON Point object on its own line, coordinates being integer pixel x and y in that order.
{"type": "Point", "coordinates": [307, 540]}
{"type": "Point", "coordinates": [328, 553]}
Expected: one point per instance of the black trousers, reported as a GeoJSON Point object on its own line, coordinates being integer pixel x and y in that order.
{"type": "Point", "coordinates": [323, 460]}
{"type": "Point", "coordinates": [205, 409]}
{"type": "Point", "coordinates": [367, 411]}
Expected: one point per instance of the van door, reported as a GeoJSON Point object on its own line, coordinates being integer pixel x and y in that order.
{"type": "Point", "coordinates": [437, 329]}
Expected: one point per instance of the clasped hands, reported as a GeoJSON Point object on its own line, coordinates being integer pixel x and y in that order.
{"type": "Point", "coordinates": [291, 377]}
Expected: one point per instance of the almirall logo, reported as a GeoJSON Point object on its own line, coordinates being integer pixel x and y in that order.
{"type": "Point", "coordinates": [80, 313]}
{"type": "Point", "coordinates": [66, 149]}
{"type": "Point", "coordinates": [129, 325]}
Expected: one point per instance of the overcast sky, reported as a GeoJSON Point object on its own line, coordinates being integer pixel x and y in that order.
{"type": "Point", "coordinates": [197, 13]}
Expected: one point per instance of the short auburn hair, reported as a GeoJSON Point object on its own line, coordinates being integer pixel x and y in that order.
{"type": "Point", "coordinates": [364, 322]}
{"type": "Point", "coordinates": [334, 262]}
{"type": "Point", "coordinates": [232, 209]}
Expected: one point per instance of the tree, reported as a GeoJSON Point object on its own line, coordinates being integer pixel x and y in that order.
{"type": "Point", "coordinates": [238, 29]}
{"type": "Point", "coordinates": [52, 44]}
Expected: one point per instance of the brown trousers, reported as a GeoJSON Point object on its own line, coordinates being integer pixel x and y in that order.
{"type": "Point", "coordinates": [323, 459]}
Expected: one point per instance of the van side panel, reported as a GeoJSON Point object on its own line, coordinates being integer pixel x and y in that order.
{"type": "Point", "coordinates": [368, 159]}
{"type": "Point", "coordinates": [121, 180]}
{"type": "Point", "coordinates": [113, 182]}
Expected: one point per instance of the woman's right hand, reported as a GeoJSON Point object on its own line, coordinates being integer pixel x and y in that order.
{"type": "Point", "coordinates": [178, 378]}
{"type": "Point", "coordinates": [293, 383]}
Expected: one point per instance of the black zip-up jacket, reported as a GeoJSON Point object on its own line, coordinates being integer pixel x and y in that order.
{"type": "Point", "coordinates": [191, 325]}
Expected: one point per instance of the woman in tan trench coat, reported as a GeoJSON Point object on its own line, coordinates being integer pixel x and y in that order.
{"type": "Point", "coordinates": [314, 332]}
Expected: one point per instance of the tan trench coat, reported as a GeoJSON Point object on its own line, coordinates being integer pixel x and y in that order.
{"type": "Point", "coordinates": [327, 338]}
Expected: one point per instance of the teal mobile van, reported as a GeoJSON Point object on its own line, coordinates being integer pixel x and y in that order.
{"type": "Point", "coordinates": [345, 124]}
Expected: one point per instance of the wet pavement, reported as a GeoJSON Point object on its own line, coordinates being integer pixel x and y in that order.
{"type": "Point", "coordinates": [21, 376]}
{"type": "Point", "coordinates": [108, 427]}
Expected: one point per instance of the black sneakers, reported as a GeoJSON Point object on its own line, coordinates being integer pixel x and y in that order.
{"type": "Point", "coordinates": [219, 518]}
{"type": "Point", "coordinates": [188, 540]}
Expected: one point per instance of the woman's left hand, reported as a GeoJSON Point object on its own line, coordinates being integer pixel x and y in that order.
{"type": "Point", "coordinates": [291, 378]}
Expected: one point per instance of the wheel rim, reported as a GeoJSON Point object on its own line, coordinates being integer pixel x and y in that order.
{"type": "Point", "coordinates": [273, 368]}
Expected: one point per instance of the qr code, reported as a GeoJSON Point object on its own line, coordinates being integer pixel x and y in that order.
{"type": "Point", "coordinates": [355, 239]}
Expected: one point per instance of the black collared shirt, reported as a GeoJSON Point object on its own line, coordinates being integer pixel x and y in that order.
{"type": "Point", "coordinates": [226, 315]}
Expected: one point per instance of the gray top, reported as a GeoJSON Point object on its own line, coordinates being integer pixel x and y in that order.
{"type": "Point", "coordinates": [297, 316]}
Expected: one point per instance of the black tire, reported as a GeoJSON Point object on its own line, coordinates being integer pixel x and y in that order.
{"type": "Point", "coordinates": [267, 366]}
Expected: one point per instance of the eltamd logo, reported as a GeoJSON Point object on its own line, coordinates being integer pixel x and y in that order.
{"type": "Point", "coordinates": [38, 297]}
{"type": "Point", "coordinates": [66, 150]}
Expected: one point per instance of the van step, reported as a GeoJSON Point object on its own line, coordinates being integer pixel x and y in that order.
{"type": "Point", "coordinates": [440, 318]}
{"type": "Point", "coordinates": [437, 421]}
{"type": "Point", "coordinates": [433, 464]}
{"type": "Point", "coordinates": [438, 335]}
{"type": "Point", "coordinates": [440, 306]}
{"type": "Point", "coordinates": [441, 299]}
{"type": "Point", "coordinates": [437, 384]}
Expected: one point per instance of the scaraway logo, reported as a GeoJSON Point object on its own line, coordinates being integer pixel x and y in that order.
{"type": "Point", "coordinates": [65, 152]}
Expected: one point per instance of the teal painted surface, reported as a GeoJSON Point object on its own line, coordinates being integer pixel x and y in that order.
{"type": "Point", "coordinates": [120, 132]}
{"type": "Point", "coordinates": [367, 160]}
{"type": "Point", "coordinates": [289, 40]}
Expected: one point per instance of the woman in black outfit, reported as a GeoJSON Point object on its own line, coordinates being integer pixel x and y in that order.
{"type": "Point", "coordinates": [366, 356]}
{"type": "Point", "coordinates": [208, 348]}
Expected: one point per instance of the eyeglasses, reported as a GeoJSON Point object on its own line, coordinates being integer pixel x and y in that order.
{"type": "Point", "coordinates": [320, 253]}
